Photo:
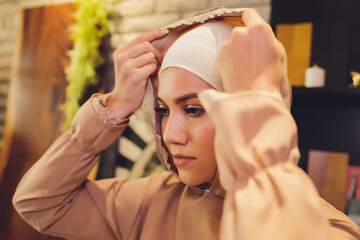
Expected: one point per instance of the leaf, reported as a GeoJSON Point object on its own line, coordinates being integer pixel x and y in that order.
{"type": "Point", "coordinates": [91, 25]}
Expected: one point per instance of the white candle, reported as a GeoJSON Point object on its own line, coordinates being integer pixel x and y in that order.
{"type": "Point", "coordinates": [315, 76]}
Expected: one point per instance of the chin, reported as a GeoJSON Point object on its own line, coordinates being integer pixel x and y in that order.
{"type": "Point", "coordinates": [194, 179]}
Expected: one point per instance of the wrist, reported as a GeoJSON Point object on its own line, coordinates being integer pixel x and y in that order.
{"type": "Point", "coordinates": [265, 88]}
{"type": "Point", "coordinates": [265, 84]}
{"type": "Point", "coordinates": [116, 107]}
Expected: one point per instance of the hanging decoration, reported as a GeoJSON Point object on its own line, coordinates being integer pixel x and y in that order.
{"type": "Point", "coordinates": [91, 25]}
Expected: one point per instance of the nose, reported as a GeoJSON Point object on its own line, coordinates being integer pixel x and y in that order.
{"type": "Point", "coordinates": [174, 130]}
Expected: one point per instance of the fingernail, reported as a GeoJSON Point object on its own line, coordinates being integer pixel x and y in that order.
{"type": "Point", "coordinates": [166, 31]}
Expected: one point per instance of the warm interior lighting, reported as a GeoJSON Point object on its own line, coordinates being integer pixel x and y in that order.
{"type": "Point", "coordinates": [296, 39]}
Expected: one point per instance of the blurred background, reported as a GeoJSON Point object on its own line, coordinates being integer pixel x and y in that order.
{"type": "Point", "coordinates": [48, 45]}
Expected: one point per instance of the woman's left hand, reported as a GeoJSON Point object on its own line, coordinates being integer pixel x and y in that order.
{"type": "Point", "coordinates": [251, 59]}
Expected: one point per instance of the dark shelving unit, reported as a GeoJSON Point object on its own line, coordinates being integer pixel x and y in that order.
{"type": "Point", "coordinates": [328, 118]}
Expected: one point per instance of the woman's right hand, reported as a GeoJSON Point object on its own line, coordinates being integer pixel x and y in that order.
{"type": "Point", "coordinates": [134, 63]}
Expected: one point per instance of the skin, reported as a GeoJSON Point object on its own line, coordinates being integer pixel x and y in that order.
{"type": "Point", "coordinates": [187, 130]}
{"type": "Point", "coordinates": [249, 61]}
{"type": "Point", "coordinates": [134, 63]}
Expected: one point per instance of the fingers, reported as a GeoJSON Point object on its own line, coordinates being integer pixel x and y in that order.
{"type": "Point", "coordinates": [143, 48]}
{"type": "Point", "coordinates": [254, 21]}
{"type": "Point", "coordinates": [137, 56]}
{"type": "Point", "coordinates": [134, 63]}
{"type": "Point", "coordinates": [142, 60]}
{"type": "Point", "coordinates": [131, 51]}
{"type": "Point", "coordinates": [148, 37]}
{"type": "Point", "coordinates": [140, 68]}
{"type": "Point", "coordinates": [139, 75]}
{"type": "Point", "coordinates": [240, 36]}
{"type": "Point", "coordinates": [249, 60]}
{"type": "Point", "coordinates": [147, 70]}
{"type": "Point", "coordinates": [255, 25]}
{"type": "Point", "coordinates": [252, 18]}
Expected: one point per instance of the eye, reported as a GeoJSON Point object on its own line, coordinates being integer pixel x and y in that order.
{"type": "Point", "coordinates": [194, 111]}
{"type": "Point", "coordinates": [163, 110]}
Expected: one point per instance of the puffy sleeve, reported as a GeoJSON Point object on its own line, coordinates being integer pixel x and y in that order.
{"type": "Point", "coordinates": [56, 198]}
{"type": "Point", "coordinates": [267, 195]}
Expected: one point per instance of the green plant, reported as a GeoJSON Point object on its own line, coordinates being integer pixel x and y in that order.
{"type": "Point", "coordinates": [91, 25]}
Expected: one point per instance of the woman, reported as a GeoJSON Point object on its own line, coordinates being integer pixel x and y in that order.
{"type": "Point", "coordinates": [244, 144]}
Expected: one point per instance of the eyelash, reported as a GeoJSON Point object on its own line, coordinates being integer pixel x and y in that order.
{"type": "Point", "coordinates": [162, 110]}
{"type": "Point", "coordinates": [194, 111]}
{"type": "Point", "coordinates": [191, 111]}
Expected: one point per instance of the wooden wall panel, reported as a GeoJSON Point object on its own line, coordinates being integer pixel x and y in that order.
{"type": "Point", "coordinates": [37, 91]}
{"type": "Point", "coordinates": [329, 172]}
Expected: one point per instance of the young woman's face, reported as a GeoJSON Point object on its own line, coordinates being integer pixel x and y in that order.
{"type": "Point", "coordinates": [186, 128]}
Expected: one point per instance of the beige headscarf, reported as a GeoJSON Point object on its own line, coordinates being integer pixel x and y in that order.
{"type": "Point", "coordinates": [191, 28]}
{"type": "Point", "coordinates": [196, 50]}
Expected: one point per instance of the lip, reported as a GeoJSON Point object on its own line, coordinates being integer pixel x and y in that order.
{"type": "Point", "coordinates": [182, 160]}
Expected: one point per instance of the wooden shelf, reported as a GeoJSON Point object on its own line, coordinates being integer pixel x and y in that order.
{"type": "Point", "coordinates": [354, 92]}
{"type": "Point", "coordinates": [342, 96]}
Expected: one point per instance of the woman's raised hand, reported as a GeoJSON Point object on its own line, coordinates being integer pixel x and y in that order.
{"type": "Point", "coordinates": [251, 59]}
{"type": "Point", "coordinates": [134, 63]}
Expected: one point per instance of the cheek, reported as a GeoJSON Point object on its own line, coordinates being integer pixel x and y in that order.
{"type": "Point", "coordinates": [206, 135]}
{"type": "Point", "coordinates": [162, 125]}
{"type": "Point", "coordinates": [206, 151]}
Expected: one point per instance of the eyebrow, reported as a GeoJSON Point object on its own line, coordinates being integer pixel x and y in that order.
{"type": "Point", "coordinates": [183, 98]}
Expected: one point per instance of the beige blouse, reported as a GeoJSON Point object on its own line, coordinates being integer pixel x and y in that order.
{"type": "Point", "coordinates": [267, 195]}
{"type": "Point", "coordinates": [258, 192]}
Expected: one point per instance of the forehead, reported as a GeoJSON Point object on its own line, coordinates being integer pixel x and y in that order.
{"type": "Point", "coordinates": [174, 82]}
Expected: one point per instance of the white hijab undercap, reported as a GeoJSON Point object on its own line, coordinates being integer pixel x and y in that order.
{"type": "Point", "coordinates": [196, 50]}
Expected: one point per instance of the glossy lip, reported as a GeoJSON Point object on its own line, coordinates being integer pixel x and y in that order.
{"type": "Point", "coordinates": [182, 160]}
